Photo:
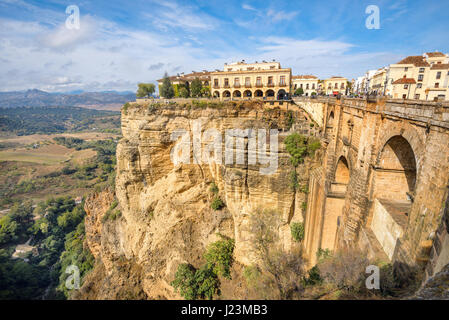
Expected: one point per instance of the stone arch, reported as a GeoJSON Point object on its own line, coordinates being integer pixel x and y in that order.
{"type": "Point", "coordinates": [269, 93]}
{"type": "Point", "coordinates": [396, 170]}
{"type": "Point", "coordinates": [393, 186]}
{"type": "Point", "coordinates": [258, 93]}
{"type": "Point", "coordinates": [216, 94]}
{"type": "Point", "coordinates": [237, 94]}
{"type": "Point", "coordinates": [408, 133]}
{"type": "Point", "coordinates": [342, 171]}
{"type": "Point", "coordinates": [226, 94]}
{"type": "Point", "coordinates": [247, 94]}
{"type": "Point", "coordinates": [281, 94]}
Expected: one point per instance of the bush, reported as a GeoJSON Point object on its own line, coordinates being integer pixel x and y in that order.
{"type": "Point", "coordinates": [297, 231]}
{"type": "Point", "coordinates": [207, 282]}
{"type": "Point", "coordinates": [345, 270]}
{"type": "Point", "coordinates": [217, 203]}
{"type": "Point", "coordinates": [219, 256]}
{"type": "Point", "coordinates": [299, 147]}
{"type": "Point", "coordinates": [185, 281]}
{"type": "Point", "coordinates": [213, 188]}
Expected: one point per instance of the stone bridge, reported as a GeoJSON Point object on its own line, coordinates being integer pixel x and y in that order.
{"type": "Point", "coordinates": [384, 181]}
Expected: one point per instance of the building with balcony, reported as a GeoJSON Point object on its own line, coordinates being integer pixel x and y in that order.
{"type": "Point", "coordinates": [259, 80]}
{"type": "Point", "coordinates": [307, 83]}
{"type": "Point", "coordinates": [379, 81]}
{"type": "Point", "coordinates": [335, 85]}
{"type": "Point", "coordinates": [430, 72]}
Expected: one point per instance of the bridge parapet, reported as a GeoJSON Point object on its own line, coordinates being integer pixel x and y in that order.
{"type": "Point", "coordinates": [429, 112]}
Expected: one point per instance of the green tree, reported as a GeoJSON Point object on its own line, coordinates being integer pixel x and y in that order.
{"type": "Point", "coordinates": [167, 90]}
{"type": "Point", "coordinates": [183, 92]}
{"type": "Point", "coordinates": [299, 92]}
{"type": "Point", "coordinates": [145, 90]}
{"type": "Point", "coordinates": [195, 88]}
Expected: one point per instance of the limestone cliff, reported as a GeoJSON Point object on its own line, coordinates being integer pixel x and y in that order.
{"type": "Point", "coordinates": [166, 208]}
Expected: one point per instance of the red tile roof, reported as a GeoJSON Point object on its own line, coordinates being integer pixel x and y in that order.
{"type": "Point", "coordinates": [440, 66]}
{"type": "Point", "coordinates": [435, 54]}
{"type": "Point", "coordinates": [417, 61]}
{"type": "Point", "coordinates": [205, 75]}
{"type": "Point", "coordinates": [405, 81]}
{"type": "Point", "coordinates": [304, 77]}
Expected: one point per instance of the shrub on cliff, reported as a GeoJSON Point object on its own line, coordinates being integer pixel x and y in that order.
{"type": "Point", "coordinates": [195, 284]}
{"type": "Point", "coordinates": [217, 203]}
{"type": "Point", "coordinates": [297, 231]}
{"type": "Point", "coordinates": [300, 146]}
{"type": "Point", "coordinates": [219, 256]}
{"type": "Point", "coordinates": [185, 281]}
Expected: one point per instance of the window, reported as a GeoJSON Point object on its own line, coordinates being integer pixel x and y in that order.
{"type": "Point", "coordinates": [236, 82]}
{"type": "Point", "coordinates": [416, 96]}
{"type": "Point", "coordinates": [215, 82]}
{"type": "Point", "coordinates": [307, 86]}
{"type": "Point", "coordinates": [282, 80]}
{"type": "Point", "coordinates": [313, 86]}
{"type": "Point", "coordinates": [419, 85]}
{"type": "Point", "coordinates": [336, 86]}
{"type": "Point", "coordinates": [247, 81]}
{"type": "Point", "coordinates": [226, 82]}
{"type": "Point", "coordinates": [405, 86]}
{"type": "Point", "coordinates": [270, 80]}
{"type": "Point", "coordinates": [406, 69]}
{"type": "Point", "coordinates": [420, 77]}
{"type": "Point", "coordinates": [342, 86]}
{"type": "Point", "coordinates": [437, 85]}
{"type": "Point", "coordinates": [258, 81]}
{"type": "Point", "coordinates": [404, 96]}
{"type": "Point", "coordinates": [439, 75]}
{"type": "Point", "coordinates": [421, 70]}
{"type": "Point", "coordinates": [301, 85]}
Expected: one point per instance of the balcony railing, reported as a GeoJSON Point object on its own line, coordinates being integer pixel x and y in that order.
{"type": "Point", "coordinates": [247, 85]}
{"type": "Point", "coordinates": [259, 85]}
{"type": "Point", "coordinates": [236, 85]}
{"type": "Point", "coordinates": [226, 85]}
{"type": "Point", "coordinates": [270, 84]}
{"type": "Point", "coordinates": [216, 86]}
{"type": "Point", "coordinates": [282, 84]}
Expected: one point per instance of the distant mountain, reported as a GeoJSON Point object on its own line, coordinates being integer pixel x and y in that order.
{"type": "Point", "coordinates": [38, 98]}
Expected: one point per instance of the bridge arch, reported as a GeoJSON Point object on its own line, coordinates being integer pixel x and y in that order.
{"type": "Point", "coordinates": [396, 170]}
{"type": "Point", "coordinates": [408, 133]}
{"type": "Point", "coordinates": [342, 171]}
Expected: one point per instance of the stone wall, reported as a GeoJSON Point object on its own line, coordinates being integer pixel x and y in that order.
{"type": "Point", "coordinates": [396, 151]}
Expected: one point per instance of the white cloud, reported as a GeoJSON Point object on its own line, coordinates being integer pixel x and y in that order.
{"type": "Point", "coordinates": [248, 7]}
{"type": "Point", "coordinates": [277, 16]}
{"type": "Point", "coordinates": [66, 39]}
{"type": "Point", "coordinates": [175, 15]}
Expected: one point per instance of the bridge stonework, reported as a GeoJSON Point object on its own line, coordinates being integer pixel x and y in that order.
{"type": "Point", "coordinates": [384, 180]}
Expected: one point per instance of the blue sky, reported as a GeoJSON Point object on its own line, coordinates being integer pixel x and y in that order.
{"type": "Point", "coordinates": [121, 43]}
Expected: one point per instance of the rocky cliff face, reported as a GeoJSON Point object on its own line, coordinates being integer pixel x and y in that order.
{"type": "Point", "coordinates": [166, 207]}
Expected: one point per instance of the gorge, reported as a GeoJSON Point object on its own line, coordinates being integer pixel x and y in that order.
{"type": "Point", "coordinates": [378, 182]}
